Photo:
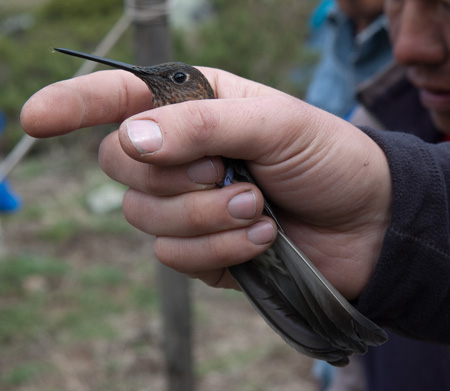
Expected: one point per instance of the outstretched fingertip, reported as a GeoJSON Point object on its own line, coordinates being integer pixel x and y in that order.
{"type": "Point", "coordinates": [29, 117]}
{"type": "Point", "coordinates": [52, 111]}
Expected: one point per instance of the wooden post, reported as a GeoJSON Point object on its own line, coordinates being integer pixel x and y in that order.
{"type": "Point", "coordinates": [153, 46]}
{"type": "Point", "coordinates": [176, 311]}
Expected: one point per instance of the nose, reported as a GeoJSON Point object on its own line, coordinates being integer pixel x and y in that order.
{"type": "Point", "coordinates": [417, 35]}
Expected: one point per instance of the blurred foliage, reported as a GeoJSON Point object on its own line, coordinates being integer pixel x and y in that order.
{"type": "Point", "coordinates": [26, 59]}
{"type": "Point", "coordinates": [79, 9]}
{"type": "Point", "coordinates": [259, 40]}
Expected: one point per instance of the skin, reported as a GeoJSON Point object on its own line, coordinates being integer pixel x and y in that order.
{"type": "Point", "coordinates": [420, 32]}
{"type": "Point", "coordinates": [329, 182]}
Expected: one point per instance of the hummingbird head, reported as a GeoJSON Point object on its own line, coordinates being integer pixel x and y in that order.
{"type": "Point", "coordinates": [175, 82]}
{"type": "Point", "coordinates": [172, 82]}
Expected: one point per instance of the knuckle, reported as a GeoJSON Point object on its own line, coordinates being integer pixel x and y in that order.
{"type": "Point", "coordinates": [199, 213]}
{"type": "Point", "coordinates": [201, 119]}
{"type": "Point", "coordinates": [152, 183]}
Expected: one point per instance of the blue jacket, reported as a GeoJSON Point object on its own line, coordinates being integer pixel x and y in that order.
{"type": "Point", "coordinates": [346, 60]}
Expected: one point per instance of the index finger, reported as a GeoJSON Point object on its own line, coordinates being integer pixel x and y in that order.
{"type": "Point", "coordinates": [94, 99]}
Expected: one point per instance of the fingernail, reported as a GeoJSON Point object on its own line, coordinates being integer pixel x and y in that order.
{"type": "Point", "coordinates": [145, 135]}
{"type": "Point", "coordinates": [202, 172]}
{"type": "Point", "coordinates": [243, 205]}
{"type": "Point", "coordinates": [261, 233]}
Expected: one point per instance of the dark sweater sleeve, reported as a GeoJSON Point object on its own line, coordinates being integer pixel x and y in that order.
{"type": "Point", "coordinates": [410, 288]}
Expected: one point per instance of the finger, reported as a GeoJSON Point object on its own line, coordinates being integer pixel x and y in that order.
{"type": "Point", "coordinates": [97, 98]}
{"type": "Point", "coordinates": [108, 97]}
{"type": "Point", "coordinates": [157, 180]}
{"type": "Point", "coordinates": [215, 251]}
{"type": "Point", "coordinates": [218, 278]}
{"type": "Point", "coordinates": [194, 213]}
{"type": "Point", "coordinates": [235, 128]}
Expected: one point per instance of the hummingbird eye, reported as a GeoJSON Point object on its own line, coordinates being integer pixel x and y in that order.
{"type": "Point", "coordinates": [179, 77]}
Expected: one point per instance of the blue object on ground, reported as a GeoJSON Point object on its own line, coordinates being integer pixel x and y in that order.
{"type": "Point", "coordinates": [9, 201]}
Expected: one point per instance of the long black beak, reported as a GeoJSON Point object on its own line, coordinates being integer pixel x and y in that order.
{"type": "Point", "coordinates": [115, 64]}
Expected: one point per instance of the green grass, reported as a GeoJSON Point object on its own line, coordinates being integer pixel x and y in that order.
{"type": "Point", "coordinates": [15, 271]}
{"type": "Point", "coordinates": [68, 301]}
{"type": "Point", "coordinates": [20, 322]}
{"type": "Point", "coordinates": [70, 306]}
{"type": "Point", "coordinates": [25, 373]}
{"type": "Point", "coordinates": [102, 275]}
{"type": "Point", "coordinates": [228, 362]}
{"type": "Point", "coordinates": [60, 230]}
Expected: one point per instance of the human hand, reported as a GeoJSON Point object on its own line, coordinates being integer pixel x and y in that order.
{"type": "Point", "coordinates": [329, 182]}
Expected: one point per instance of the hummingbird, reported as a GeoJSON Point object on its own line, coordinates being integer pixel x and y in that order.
{"type": "Point", "coordinates": [282, 284]}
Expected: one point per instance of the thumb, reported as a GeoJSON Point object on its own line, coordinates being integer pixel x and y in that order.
{"type": "Point", "coordinates": [247, 128]}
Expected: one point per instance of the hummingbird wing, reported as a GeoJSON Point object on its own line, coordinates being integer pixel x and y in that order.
{"type": "Point", "coordinates": [297, 301]}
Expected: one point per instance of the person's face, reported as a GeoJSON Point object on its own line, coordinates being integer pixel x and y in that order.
{"type": "Point", "coordinates": [420, 33]}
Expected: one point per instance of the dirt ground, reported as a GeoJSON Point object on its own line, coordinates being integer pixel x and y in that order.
{"type": "Point", "coordinates": [234, 349]}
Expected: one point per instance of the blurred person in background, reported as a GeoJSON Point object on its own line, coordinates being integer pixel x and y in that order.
{"type": "Point", "coordinates": [354, 45]}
